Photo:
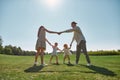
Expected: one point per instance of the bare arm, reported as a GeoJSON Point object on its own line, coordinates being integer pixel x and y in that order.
{"type": "Point", "coordinates": [49, 43]}
{"type": "Point", "coordinates": [66, 31]}
{"type": "Point", "coordinates": [50, 31]}
{"type": "Point", "coordinates": [71, 42]}
{"type": "Point", "coordinates": [62, 50]}
{"type": "Point", "coordinates": [59, 49]}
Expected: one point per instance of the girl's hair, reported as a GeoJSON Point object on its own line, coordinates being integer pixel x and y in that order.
{"type": "Point", "coordinates": [56, 43]}
{"type": "Point", "coordinates": [65, 46]}
{"type": "Point", "coordinates": [41, 27]}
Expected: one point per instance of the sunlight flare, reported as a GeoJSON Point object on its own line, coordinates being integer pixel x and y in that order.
{"type": "Point", "coordinates": [52, 4]}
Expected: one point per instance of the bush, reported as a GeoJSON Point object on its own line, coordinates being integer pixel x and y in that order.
{"type": "Point", "coordinates": [8, 51]}
{"type": "Point", "coordinates": [104, 52]}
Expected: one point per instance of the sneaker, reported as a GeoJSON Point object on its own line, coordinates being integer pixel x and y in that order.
{"type": "Point", "coordinates": [76, 63]}
{"type": "Point", "coordinates": [69, 63]}
{"type": "Point", "coordinates": [44, 64]}
{"type": "Point", "coordinates": [57, 63]}
{"type": "Point", "coordinates": [35, 63]}
{"type": "Point", "coordinates": [88, 64]}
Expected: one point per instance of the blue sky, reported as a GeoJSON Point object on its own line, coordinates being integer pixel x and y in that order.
{"type": "Point", "coordinates": [98, 19]}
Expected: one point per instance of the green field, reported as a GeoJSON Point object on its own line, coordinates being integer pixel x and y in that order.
{"type": "Point", "coordinates": [21, 68]}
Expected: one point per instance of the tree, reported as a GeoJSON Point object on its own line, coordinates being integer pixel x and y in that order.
{"type": "Point", "coordinates": [8, 50]}
{"type": "Point", "coordinates": [19, 51]}
{"type": "Point", "coordinates": [1, 47]}
{"type": "Point", "coordinates": [1, 41]}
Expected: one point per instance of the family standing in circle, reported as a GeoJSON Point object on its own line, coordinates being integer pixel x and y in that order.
{"type": "Point", "coordinates": [78, 37]}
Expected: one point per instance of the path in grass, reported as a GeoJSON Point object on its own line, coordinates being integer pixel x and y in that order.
{"type": "Point", "coordinates": [21, 68]}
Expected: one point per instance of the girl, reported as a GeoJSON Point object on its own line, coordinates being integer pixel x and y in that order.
{"type": "Point", "coordinates": [54, 53]}
{"type": "Point", "coordinates": [41, 44]}
{"type": "Point", "coordinates": [66, 53]}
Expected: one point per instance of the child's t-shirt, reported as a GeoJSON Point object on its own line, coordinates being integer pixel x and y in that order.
{"type": "Point", "coordinates": [66, 52]}
{"type": "Point", "coordinates": [54, 50]}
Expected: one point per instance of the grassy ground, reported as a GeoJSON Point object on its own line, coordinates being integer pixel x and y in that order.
{"type": "Point", "coordinates": [21, 68]}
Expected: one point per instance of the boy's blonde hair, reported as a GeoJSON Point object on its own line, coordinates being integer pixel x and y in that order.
{"type": "Point", "coordinates": [65, 46]}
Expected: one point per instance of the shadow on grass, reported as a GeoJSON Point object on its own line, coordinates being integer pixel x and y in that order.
{"type": "Point", "coordinates": [100, 70]}
{"type": "Point", "coordinates": [70, 64]}
{"type": "Point", "coordinates": [95, 70]}
{"type": "Point", "coordinates": [34, 69]}
{"type": "Point", "coordinates": [55, 64]}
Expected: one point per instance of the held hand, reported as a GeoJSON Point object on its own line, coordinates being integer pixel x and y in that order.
{"type": "Point", "coordinates": [59, 33]}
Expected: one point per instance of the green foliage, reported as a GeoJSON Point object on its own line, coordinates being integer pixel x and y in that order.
{"type": "Point", "coordinates": [21, 68]}
{"type": "Point", "coordinates": [1, 49]}
{"type": "Point", "coordinates": [8, 50]}
{"type": "Point", "coordinates": [101, 52]}
{"type": "Point", "coordinates": [13, 50]}
{"type": "Point", "coordinates": [1, 41]}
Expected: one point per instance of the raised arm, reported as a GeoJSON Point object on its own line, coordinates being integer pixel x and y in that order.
{"type": "Point", "coordinates": [50, 31]}
{"type": "Point", "coordinates": [67, 31]}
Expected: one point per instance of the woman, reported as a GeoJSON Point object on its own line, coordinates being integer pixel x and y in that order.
{"type": "Point", "coordinates": [41, 44]}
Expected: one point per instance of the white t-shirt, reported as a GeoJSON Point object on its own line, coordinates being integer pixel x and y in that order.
{"type": "Point", "coordinates": [54, 50]}
{"type": "Point", "coordinates": [66, 52]}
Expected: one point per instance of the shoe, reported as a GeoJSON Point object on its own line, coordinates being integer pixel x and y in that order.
{"type": "Point", "coordinates": [88, 64]}
{"type": "Point", "coordinates": [57, 63]}
{"type": "Point", "coordinates": [44, 64]}
{"type": "Point", "coordinates": [69, 63]}
{"type": "Point", "coordinates": [76, 63]}
{"type": "Point", "coordinates": [35, 64]}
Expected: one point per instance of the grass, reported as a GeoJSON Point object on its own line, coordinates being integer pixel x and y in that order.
{"type": "Point", "coordinates": [21, 68]}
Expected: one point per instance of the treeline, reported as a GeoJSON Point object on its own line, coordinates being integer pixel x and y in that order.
{"type": "Point", "coordinates": [104, 52]}
{"type": "Point", "coordinates": [13, 50]}
{"type": "Point", "coordinates": [101, 52]}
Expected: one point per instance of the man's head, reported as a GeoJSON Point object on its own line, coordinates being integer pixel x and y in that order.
{"type": "Point", "coordinates": [73, 24]}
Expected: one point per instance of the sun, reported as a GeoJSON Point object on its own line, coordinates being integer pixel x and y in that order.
{"type": "Point", "coordinates": [52, 4]}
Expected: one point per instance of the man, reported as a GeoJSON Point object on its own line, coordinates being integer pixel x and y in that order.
{"type": "Point", "coordinates": [81, 42]}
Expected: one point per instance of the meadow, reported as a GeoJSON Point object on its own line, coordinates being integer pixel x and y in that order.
{"type": "Point", "coordinates": [21, 68]}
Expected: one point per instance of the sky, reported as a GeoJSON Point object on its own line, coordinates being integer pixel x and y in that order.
{"type": "Point", "coordinates": [99, 21]}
